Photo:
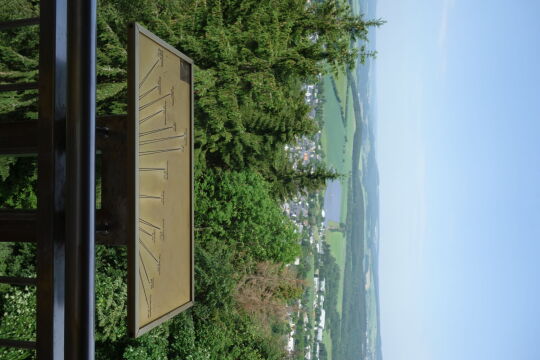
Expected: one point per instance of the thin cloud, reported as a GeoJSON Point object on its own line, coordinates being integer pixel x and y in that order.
{"type": "Point", "coordinates": [442, 40]}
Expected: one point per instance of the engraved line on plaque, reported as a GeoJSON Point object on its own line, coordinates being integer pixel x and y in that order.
{"type": "Point", "coordinates": [158, 60]}
{"type": "Point", "coordinates": [147, 223]}
{"type": "Point", "coordinates": [152, 102]}
{"type": "Point", "coordinates": [156, 259]}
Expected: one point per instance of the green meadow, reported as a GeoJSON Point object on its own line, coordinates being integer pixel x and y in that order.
{"type": "Point", "coordinates": [327, 341]}
{"type": "Point", "coordinates": [333, 137]}
{"type": "Point", "coordinates": [337, 243]}
{"type": "Point", "coordinates": [347, 154]}
{"type": "Point", "coordinates": [337, 142]}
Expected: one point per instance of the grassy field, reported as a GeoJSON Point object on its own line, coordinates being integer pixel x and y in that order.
{"type": "Point", "coordinates": [337, 141]}
{"type": "Point", "coordinates": [347, 155]}
{"type": "Point", "coordinates": [341, 87]}
{"type": "Point", "coordinates": [327, 341]}
{"type": "Point", "coordinates": [333, 139]}
{"type": "Point", "coordinates": [336, 240]}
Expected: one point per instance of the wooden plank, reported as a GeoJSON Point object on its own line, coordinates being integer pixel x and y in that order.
{"type": "Point", "coordinates": [17, 226]}
{"type": "Point", "coordinates": [18, 23]}
{"type": "Point", "coordinates": [14, 280]}
{"type": "Point", "coordinates": [18, 137]}
{"type": "Point", "coordinates": [19, 86]}
{"type": "Point", "coordinates": [20, 344]}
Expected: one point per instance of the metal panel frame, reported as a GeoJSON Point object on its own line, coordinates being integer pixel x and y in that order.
{"type": "Point", "coordinates": [50, 229]}
{"type": "Point", "coordinates": [46, 225]}
{"type": "Point", "coordinates": [133, 183]}
{"type": "Point", "coordinates": [113, 216]}
{"type": "Point", "coordinates": [60, 335]}
{"type": "Point", "coordinates": [80, 176]}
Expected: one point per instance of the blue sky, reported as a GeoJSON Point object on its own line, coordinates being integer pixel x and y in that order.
{"type": "Point", "coordinates": [459, 156]}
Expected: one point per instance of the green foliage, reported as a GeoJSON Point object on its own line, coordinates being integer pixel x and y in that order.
{"type": "Point", "coordinates": [288, 180]}
{"type": "Point", "coordinates": [111, 293]}
{"type": "Point", "coordinates": [252, 61]}
{"type": "Point", "coordinates": [252, 58]}
{"type": "Point", "coordinates": [238, 210]}
{"type": "Point", "coordinates": [19, 314]}
{"type": "Point", "coordinates": [305, 265]}
{"type": "Point", "coordinates": [5, 162]}
{"type": "Point", "coordinates": [331, 272]}
{"type": "Point", "coordinates": [17, 190]}
{"type": "Point", "coordinates": [182, 338]}
{"type": "Point", "coordinates": [18, 321]}
{"type": "Point", "coordinates": [229, 336]}
{"type": "Point", "coordinates": [18, 60]}
{"type": "Point", "coordinates": [152, 346]}
{"type": "Point", "coordinates": [238, 224]}
{"type": "Point", "coordinates": [20, 259]}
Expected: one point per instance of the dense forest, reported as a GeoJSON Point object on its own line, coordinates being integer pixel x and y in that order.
{"type": "Point", "coordinates": [252, 58]}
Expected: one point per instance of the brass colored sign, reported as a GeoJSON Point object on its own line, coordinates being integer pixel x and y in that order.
{"type": "Point", "coordinates": [161, 125]}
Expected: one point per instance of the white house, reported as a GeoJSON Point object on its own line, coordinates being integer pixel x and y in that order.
{"type": "Point", "coordinates": [322, 319]}
{"type": "Point", "coordinates": [323, 285]}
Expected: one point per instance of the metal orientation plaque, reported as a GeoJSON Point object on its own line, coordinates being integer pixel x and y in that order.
{"type": "Point", "coordinates": [160, 132]}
